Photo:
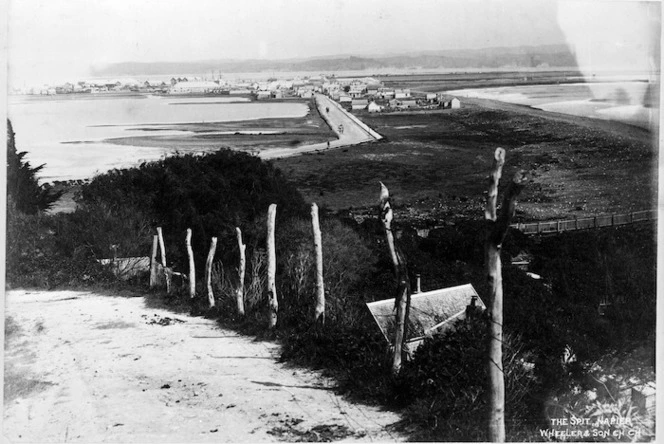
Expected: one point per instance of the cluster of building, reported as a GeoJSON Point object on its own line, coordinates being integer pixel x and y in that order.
{"type": "Point", "coordinates": [353, 93]}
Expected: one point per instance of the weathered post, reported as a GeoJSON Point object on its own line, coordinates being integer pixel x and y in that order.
{"type": "Point", "coordinates": [208, 271]}
{"type": "Point", "coordinates": [402, 299]}
{"type": "Point", "coordinates": [271, 267]}
{"type": "Point", "coordinates": [319, 313]}
{"type": "Point", "coordinates": [239, 295]}
{"type": "Point", "coordinates": [167, 272]}
{"type": "Point", "coordinates": [192, 270]}
{"type": "Point", "coordinates": [496, 229]}
{"type": "Point", "coordinates": [153, 261]}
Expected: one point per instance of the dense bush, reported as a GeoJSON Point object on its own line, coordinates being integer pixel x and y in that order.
{"type": "Point", "coordinates": [37, 258]}
{"type": "Point", "coordinates": [448, 377]}
{"type": "Point", "coordinates": [211, 194]}
{"type": "Point", "coordinates": [119, 210]}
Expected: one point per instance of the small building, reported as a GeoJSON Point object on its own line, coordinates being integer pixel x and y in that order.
{"type": "Point", "coordinates": [432, 97]}
{"type": "Point", "coordinates": [405, 104]}
{"type": "Point", "coordinates": [401, 93]}
{"type": "Point", "coordinates": [455, 103]}
{"type": "Point", "coordinates": [431, 312]}
{"type": "Point", "coordinates": [373, 107]}
{"type": "Point", "coordinates": [345, 99]}
{"type": "Point", "coordinates": [372, 90]}
{"type": "Point", "coordinates": [263, 95]}
{"type": "Point", "coordinates": [359, 104]}
{"type": "Point", "coordinates": [194, 87]}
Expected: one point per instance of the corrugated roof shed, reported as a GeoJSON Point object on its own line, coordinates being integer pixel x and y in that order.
{"type": "Point", "coordinates": [432, 311]}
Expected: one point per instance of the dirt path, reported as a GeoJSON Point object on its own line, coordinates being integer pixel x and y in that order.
{"type": "Point", "coordinates": [84, 367]}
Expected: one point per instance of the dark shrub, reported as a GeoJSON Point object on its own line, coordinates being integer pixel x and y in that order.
{"type": "Point", "coordinates": [448, 378]}
{"type": "Point", "coordinates": [211, 194]}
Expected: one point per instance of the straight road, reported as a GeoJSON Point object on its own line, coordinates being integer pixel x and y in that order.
{"type": "Point", "coordinates": [86, 367]}
{"type": "Point", "coordinates": [352, 133]}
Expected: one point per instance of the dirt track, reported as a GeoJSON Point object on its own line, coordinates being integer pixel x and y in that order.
{"type": "Point", "coordinates": [85, 367]}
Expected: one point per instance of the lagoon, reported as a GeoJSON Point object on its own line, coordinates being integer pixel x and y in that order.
{"type": "Point", "coordinates": [68, 133]}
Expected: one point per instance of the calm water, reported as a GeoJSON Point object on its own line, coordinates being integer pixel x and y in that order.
{"type": "Point", "coordinates": [628, 102]}
{"type": "Point", "coordinates": [43, 125]}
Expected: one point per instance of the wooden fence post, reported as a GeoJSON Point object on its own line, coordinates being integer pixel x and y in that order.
{"type": "Point", "coordinates": [167, 273]}
{"type": "Point", "coordinates": [496, 229]}
{"type": "Point", "coordinates": [271, 267]}
{"type": "Point", "coordinates": [239, 295]}
{"type": "Point", "coordinates": [153, 261]}
{"type": "Point", "coordinates": [319, 313]}
{"type": "Point", "coordinates": [208, 271]}
{"type": "Point", "coordinates": [192, 269]}
{"type": "Point", "coordinates": [402, 299]}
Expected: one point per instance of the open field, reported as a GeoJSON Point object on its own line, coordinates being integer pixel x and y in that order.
{"type": "Point", "coordinates": [435, 164]}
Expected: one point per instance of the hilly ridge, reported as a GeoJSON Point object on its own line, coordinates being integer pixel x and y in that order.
{"type": "Point", "coordinates": [513, 57]}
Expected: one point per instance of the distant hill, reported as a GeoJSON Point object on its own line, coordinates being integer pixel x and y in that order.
{"type": "Point", "coordinates": [514, 57]}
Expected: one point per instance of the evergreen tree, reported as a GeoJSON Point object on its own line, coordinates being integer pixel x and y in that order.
{"type": "Point", "coordinates": [23, 189]}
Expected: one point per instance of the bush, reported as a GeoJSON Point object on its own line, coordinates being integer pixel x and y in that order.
{"type": "Point", "coordinates": [36, 258]}
{"type": "Point", "coordinates": [211, 194]}
{"type": "Point", "coordinates": [347, 264]}
{"type": "Point", "coordinates": [447, 379]}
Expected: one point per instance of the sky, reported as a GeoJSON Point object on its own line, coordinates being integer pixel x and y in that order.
{"type": "Point", "coordinates": [57, 40]}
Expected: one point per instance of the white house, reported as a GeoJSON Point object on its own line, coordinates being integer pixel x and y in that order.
{"type": "Point", "coordinates": [373, 107]}
{"type": "Point", "coordinates": [455, 103]}
{"type": "Point", "coordinates": [401, 93]}
{"type": "Point", "coordinates": [431, 96]}
{"type": "Point", "coordinates": [345, 99]}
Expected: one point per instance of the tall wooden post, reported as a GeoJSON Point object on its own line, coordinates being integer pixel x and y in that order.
{"type": "Point", "coordinates": [208, 271]}
{"type": "Point", "coordinates": [239, 295]}
{"type": "Point", "coordinates": [319, 313]}
{"type": "Point", "coordinates": [153, 261]}
{"type": "Point", "coordinates": [496, 229]}
{"type": "Point", "coordinates": [271, 267]}
{"type": "Point", "coordinates": [192, 269]}
{"type": "Point", "coordinates": [402, 299]}
{"type": "Point", "coordinates": [167, 274]}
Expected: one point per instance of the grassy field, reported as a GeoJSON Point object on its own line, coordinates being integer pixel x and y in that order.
{"type": "Point", "coordinates": [436, 163]}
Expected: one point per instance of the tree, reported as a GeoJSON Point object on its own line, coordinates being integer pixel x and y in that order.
{"type": "Point", "coordinates": [23, 189]}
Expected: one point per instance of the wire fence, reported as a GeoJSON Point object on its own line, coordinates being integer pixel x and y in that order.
{"type": "Point", "coordinates": [586, 223]}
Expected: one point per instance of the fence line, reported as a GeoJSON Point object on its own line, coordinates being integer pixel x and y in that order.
{"type": "Point", "coordinates": [607, 220]}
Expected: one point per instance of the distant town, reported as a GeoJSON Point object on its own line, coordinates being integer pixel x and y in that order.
{"type": "Point", "coordinates": [352, 93]}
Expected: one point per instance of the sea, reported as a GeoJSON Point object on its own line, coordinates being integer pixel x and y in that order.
{"type": "Point", "coordinates": [631, 102]}
{"type": "Point", "coordinates": [69, 134]}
